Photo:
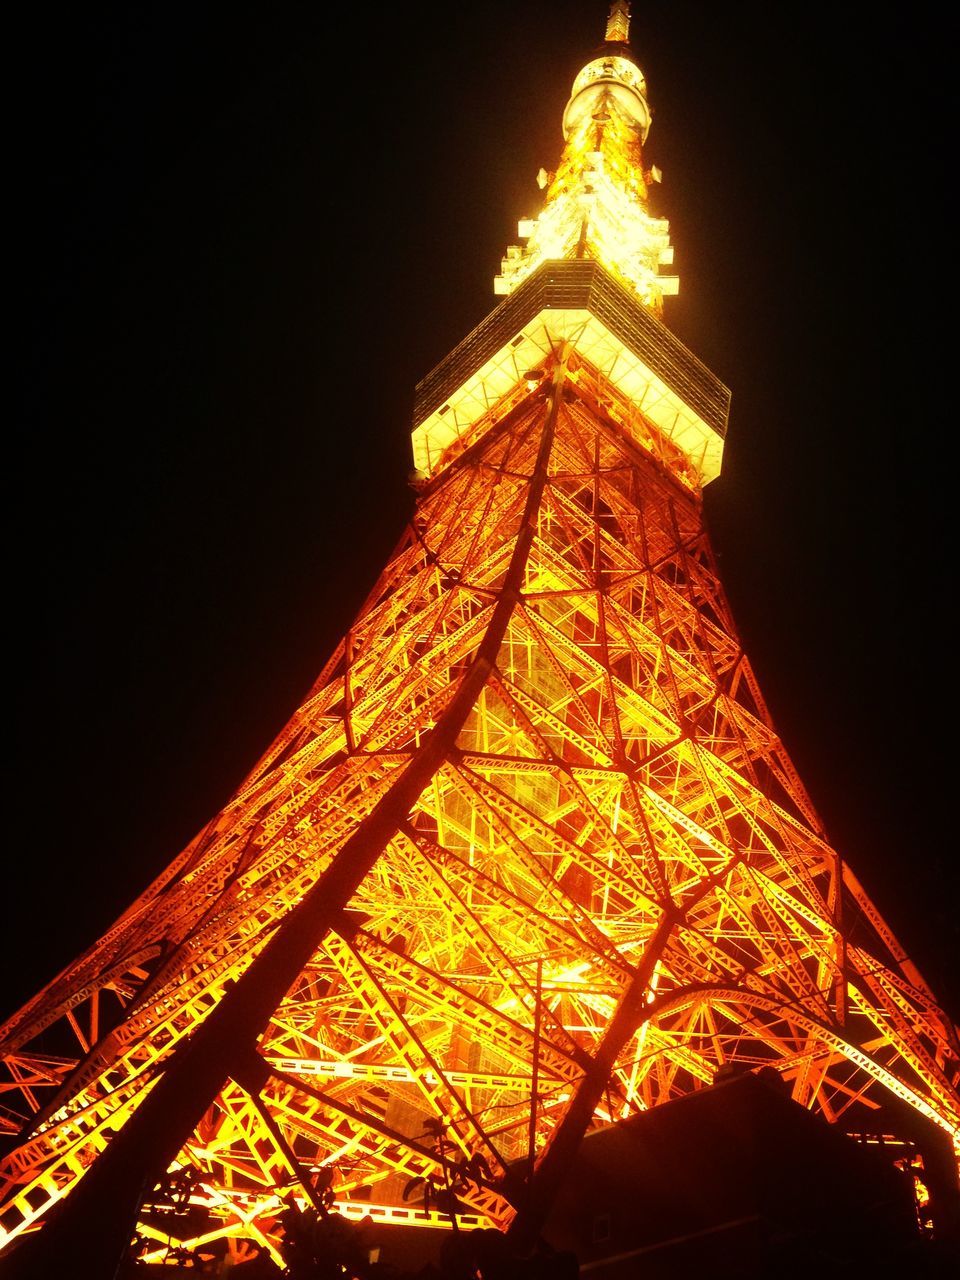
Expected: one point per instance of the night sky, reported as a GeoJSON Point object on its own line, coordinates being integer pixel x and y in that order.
{"type": "Point", "coordinates": [248, 230]}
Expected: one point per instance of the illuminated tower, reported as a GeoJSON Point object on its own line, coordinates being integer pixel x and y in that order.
{"type": "Point", "coordinates": [530, 856]}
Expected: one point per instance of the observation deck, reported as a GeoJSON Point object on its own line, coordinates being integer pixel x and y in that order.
{"type": "Point", "coordinates": [579, 302]}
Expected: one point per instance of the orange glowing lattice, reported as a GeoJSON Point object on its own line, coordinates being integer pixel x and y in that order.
{"type": "Point", "coordinates": [567, 861]}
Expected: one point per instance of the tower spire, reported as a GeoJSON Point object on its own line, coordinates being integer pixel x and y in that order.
{"type": "Point", "coordinates": [618, 23]}
{"type": "Point", "coordinates": [596, 204]}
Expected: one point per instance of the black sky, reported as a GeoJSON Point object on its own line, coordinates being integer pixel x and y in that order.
{"type": "Point", "coordinates": [248, 230]}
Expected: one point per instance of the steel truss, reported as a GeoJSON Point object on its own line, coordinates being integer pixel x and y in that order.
{"type": "Point", "coordinates": [615, 786]}
{"type": "Point", "coordinates": [530, 856]}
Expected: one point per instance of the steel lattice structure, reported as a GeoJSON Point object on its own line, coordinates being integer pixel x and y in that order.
{"type": "Point", "coordinates": [566, 859]}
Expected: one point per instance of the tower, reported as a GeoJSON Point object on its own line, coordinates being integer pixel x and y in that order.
{"type": "Point", "coordinates": [562, 852]}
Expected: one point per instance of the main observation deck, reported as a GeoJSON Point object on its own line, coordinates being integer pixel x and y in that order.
{"type": "Point", "coordinates": [579, 302]}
